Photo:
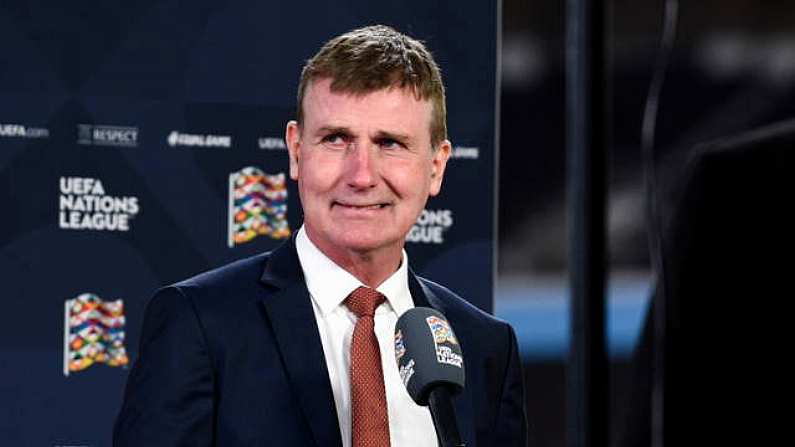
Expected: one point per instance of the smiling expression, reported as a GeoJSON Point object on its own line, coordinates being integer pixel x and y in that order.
{"type": "Point", "coordinates": [365, 167]}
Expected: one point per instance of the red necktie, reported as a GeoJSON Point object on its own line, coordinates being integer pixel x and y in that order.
{"type": "Point", "coordinates": [370, 423]}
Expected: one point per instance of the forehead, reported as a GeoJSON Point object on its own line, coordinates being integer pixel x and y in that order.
{"type": "Point", "coordinates": [393, 108]}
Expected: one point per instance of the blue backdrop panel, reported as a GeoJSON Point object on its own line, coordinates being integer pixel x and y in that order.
{"type": "Point", "coordinates": [120, 128]}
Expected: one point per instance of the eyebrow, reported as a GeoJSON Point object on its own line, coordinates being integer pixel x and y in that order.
{"type": "Point", "coordinates": [332, 129]}
{"type": "Point", "coordinates": [380, 135]}
{"type": "Point", "coordinates": [403, 138]}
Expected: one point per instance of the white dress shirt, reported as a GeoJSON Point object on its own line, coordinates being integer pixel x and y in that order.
{"type": "Point", "coordinates": [329, 285]}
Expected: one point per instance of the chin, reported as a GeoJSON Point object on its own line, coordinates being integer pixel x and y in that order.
{"type": "Point", "coordinates": [364, 241]}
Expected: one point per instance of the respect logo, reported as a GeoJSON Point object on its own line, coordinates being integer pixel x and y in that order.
{"type": "Point", "coordinates": [98, 135]}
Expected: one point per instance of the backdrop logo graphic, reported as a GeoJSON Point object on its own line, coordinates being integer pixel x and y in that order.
{"type": "Point", "coordinates": [22, 131]}
{"type": "Point", "coordinates": [431, 226]}
{"type": "Point", "coordinates": [96, 135]}
{"type": "Point", "coordinates": [444, 339]}
{"type": "Point", "coordinates": [467, 152]}
{"type": "Point", "coordinates": [192, 140]}
{"type": "Point", "coordinates": [93, 333]}
{"type": "Point", "coordinates": [257, 206]}
{"type": "Point", "coordinates": [272, 143]}
{"type": "Point", "coordinates": [84, 205]}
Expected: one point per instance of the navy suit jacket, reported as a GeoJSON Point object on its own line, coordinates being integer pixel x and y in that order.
{"type": "Point", "coordinates": [233, 357]}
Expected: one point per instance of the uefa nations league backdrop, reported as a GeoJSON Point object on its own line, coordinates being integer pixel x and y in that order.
{"type": "Point", "coordinates": [141, 143]}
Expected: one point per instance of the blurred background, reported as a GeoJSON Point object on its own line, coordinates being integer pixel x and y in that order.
{"type": "Point", "coordinates": [732, 69]}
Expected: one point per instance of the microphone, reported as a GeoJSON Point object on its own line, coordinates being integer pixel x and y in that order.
{"type": "Point", "coordinates": [431, 367]}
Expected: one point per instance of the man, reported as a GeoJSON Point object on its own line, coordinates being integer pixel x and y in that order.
{"type": "Point", "coordinates": [274, 350]}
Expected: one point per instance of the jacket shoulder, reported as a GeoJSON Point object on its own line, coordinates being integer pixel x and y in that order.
{"type": "Point", "coordinates": [232, 283]}
{"type": "Point", "coordinates": [240, 270]}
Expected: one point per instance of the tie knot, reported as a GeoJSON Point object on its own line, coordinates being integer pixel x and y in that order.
{"type": "Point", "coordinates": [363, 301]}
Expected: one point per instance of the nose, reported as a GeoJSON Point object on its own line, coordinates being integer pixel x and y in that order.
{"type": "Point", "coordinates": [362, 166]}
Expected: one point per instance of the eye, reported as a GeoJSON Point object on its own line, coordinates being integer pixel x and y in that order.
{"type": "Point", "coordinates": [336, 140]}
{"type": "Point", "coordinates": [390, 144]}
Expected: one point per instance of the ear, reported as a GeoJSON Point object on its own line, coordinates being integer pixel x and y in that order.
{"type": "Point", "coordinates": [292, 135]}
{"type": "Point", "coordinates": [438, 164]}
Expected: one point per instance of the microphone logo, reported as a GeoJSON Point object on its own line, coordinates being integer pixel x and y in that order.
{"type": "Point", "coordinates": [445, 341]}
{"type": "Point", "coordinates": [407, 370]}
{"type": "Point", "coordinates": [400, 348]}
{"type": "Point", "coordinates": [441, 330]}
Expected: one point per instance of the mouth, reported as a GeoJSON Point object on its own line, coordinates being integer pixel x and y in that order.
{"type": "Point", "coordinates": [362, 207]}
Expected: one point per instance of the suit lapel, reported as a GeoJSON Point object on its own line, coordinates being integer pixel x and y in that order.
{"type": "Point", "coordinates": [292, 319]}
{"type": "Point", "coordinates": [423, 296]}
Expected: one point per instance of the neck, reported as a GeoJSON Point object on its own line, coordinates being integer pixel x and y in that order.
{"type": "Point", "coordinates": [371, 267]}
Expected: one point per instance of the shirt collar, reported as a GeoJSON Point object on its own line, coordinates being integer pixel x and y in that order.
{"type": "Point", "coordinates": [329, 284]}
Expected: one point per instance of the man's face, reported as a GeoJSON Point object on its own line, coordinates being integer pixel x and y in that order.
{"type": "Point", "coordinates": [364, 166]}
